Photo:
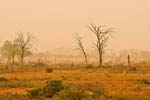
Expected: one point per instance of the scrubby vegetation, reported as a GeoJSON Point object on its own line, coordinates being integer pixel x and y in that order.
{"type": "Point", "coordinates": [76, 84]}
{"type": "Point", "coordinates": [2, 79]}
{"type": "Point", "coordinates": [56, 89]}
{"type": "Point", "coordinates": [51, 88]}
{"type": "Point", "coordinates": [49, 70]}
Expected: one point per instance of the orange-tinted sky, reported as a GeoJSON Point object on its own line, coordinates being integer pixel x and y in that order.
{"type": "Point", "coordinates": [55, 22]}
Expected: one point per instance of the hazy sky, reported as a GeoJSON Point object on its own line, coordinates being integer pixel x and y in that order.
{"type": "Point", "coordinates": [55, 22]}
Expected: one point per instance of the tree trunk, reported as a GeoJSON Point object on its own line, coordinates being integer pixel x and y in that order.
{"type": "Point", "coordinates": [101, 60]}
{"type": "Point", "coordinates": [12, 61]}
{"type": "Point", "coordinates": [100, 57]}
{"type": "Point", "coordinates": [129, 62]}
{"type": "Point", "coordinates": [8, 60]}
{"type": "Point", "coordinates": [22, 58]}
{"type": "Point", "coordinates": [85, 56]}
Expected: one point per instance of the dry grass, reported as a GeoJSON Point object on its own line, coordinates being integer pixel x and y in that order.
{"type": "Point", "coordinates": [113, 83]}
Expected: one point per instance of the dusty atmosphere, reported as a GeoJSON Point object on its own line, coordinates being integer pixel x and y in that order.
{"type": "Point", "coordinates": [74, 50]}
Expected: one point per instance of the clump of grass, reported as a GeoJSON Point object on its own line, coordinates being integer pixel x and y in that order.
{"type": "Point", "coordinates": [51, 88]}
{"type": "Point", "coordinates": [34, 93]}
{"type": "Point", "coordinates": [143, 81]}
{"type": "Point", "coordinates": [89, 66]}
{"type": "Point", "coordinates": [132, 69]}
{"type": "Point", "coordinates": [2, 79]}
{"type": "Point", "coordinates": [56, 89]}
{"type": "Point", "coordinates": [49, 70]}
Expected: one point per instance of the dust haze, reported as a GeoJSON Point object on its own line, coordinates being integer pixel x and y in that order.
{"type": "Point", "coordinates": [55, 22]}
{"type": "Point", "coordinates": [74, 50]}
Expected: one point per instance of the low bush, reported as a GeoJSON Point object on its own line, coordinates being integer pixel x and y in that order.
{"type": "Point", "coordinates": [2, 79]}
{"type": "Point", "coordinates": [35, 93]}
{"type": "Point", "coordinates": [55, 89]}
{"type": "Point", "coordinates": [132, 69]}
{"type": "Point", "coordinates": [52, 87]}
{"type": "Point", "coordinates": [143, 81]}
{"type": "Point", "coordinates": [89, 66]}
{"type": "Point", "coordinates": [49, 70]}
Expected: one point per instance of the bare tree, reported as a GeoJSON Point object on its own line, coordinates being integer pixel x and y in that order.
{"type": "Point", "coordinates": [102, 34]}
{"type": "Point", "coordinates": [81, 47]}
{"type": "Point", "coordinates": [25, 42]}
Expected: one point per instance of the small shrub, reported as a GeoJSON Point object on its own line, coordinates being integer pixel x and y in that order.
{"type": "Point", "coordinates": [2, 79]}
{"type": "Point", "coordinates": [133, 69]}
{"type": "Point", "coordinates": [37, 92]}
{"type": "Point", "coordinates": [143, 81]}
{"type": "Point", "coordinates": [49, 70]}
{"type": "Point", "coordinates": [52, 87]}
{"type": "Point", "coordinates": [89, 66]}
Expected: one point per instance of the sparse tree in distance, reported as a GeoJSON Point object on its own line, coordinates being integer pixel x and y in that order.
{"type": "Point", "coordinates": [81, 47]}
{"type": "Point", "coordinates": [9, 50]}
{"type": "Point", "coordinates": [102, 34]}
{"type": "Point", "coordinates": [25, 43]}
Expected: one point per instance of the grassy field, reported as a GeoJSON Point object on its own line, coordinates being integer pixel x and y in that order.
{"type": "Point", "coordinates": [127, 85]}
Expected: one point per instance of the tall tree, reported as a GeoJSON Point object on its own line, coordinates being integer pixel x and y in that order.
{"type": "Point", "coordinates": [81, 47]}
{"type": "Point", "coordinates": [25, 43]}
{"type": "Point", "coordinates": [102, 34]}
